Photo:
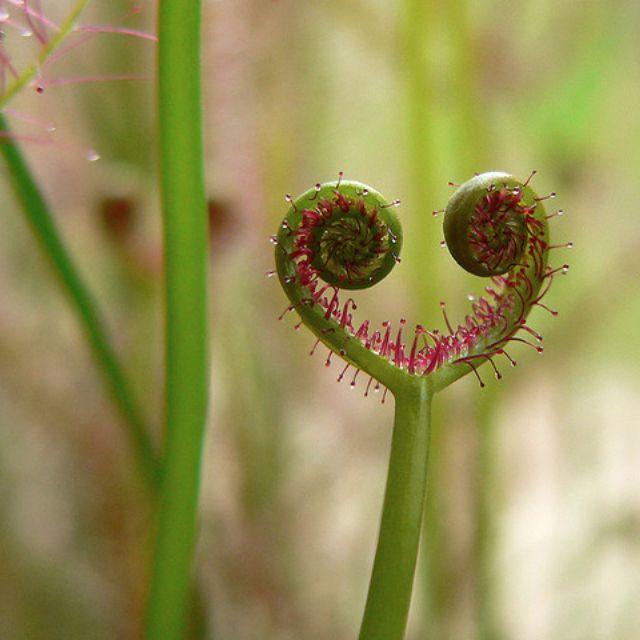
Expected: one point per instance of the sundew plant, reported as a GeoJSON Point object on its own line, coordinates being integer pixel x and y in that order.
{"type": "Point", "coordinates": [344, 236]}
{"type": "Point", "coordinates": [373, 441]}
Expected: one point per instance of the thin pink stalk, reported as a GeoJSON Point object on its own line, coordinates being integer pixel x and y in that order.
{"type": "Point", "coordinates": [105, 28]}
{"type": "Point", "coordinates": [41, 35]}
{"type": "Point", "coordinates": [23, 117]}
{"type": "Point", "coordinates": [37, 14]}
{"type": "Point", "coordinates": [18, 26]}
{"type": "Point", "coordinates": [5, 61]}
{"type": "Point", "coordinates": [91, 32]}
{"type": "Point", "coordinates": [90, 154]}
{"type": "Point", "coordinates": [62, 51]}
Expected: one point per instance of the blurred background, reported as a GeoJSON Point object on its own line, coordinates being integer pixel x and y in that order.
{"type": "Point", "coordinates": [533, 519]}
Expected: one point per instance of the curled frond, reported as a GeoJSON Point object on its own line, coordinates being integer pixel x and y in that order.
{"type": "Point", "coordinates": [344, 235]}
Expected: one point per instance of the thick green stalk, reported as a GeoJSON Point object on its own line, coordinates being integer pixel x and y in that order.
{"type": "Point", "coordinates": [186, 252]}
{"type": "Point", "coordinates": [42, 224]}
{"type": "Point", "coordinates": [389, 597]}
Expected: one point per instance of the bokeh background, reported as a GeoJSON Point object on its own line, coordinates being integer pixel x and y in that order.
{"type": "Point", "coordinates": [533, 519]}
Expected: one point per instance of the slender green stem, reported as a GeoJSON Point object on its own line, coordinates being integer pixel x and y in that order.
{"type": "Point", "coordinates": [389, 597]}
{"type": "Point", "coordinates": [186, 249]}
{"type": "Point", "coordinates": [44, 228]}
{"type": "Point", "coordinates": [30, 72]}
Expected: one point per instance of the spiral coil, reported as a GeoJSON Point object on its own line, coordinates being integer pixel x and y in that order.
{"type": "Point", "coordinates": [344, 235]}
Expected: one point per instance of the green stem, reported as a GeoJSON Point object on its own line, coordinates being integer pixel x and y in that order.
{"type": "Point", "coordinates": [186, 253]}
{"type": "Point", "coordinates": [389, 597]}
{"type": "Point", "coordinates": [43, 226]}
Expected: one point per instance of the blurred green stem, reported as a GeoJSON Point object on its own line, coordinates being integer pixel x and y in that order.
{"type": "Point", "coordinates": [387, 608]}
{"type": "Point", "coordinates": [487, 623]}
{"type": "Point", "coordinates": [187, 361]}
{"type": "Point", "coordinates": [470, 125]}
{"type": "Point", "coordinates": [416, 17]}
{"type": "Point", "coordinates": [43, 226]}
